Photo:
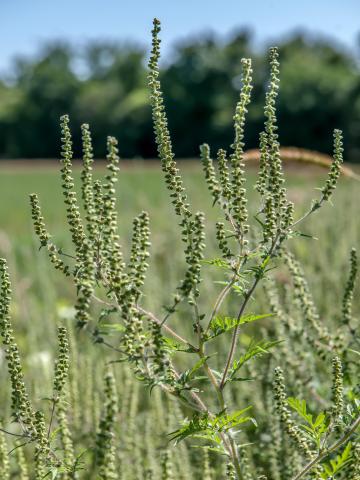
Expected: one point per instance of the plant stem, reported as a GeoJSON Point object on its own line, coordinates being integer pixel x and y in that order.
{"type": "Point", "coordinates": [248, 295]}
{"type": "Point", "coordinates": [235, 458]}
{"type": "Point", "coordinates": [329, 450]}
{"type": "Point", "coordinates": [165, 327]}
{"type": "Point", "coordinates": [51, 417]}
{"type": "Point", "coordinates": [236, 331]}
{"type": "Point", "coordinates": [220, 299]}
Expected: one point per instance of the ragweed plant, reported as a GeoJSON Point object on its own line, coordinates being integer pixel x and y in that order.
{"type": "Point", "coordinates": [216, 413]}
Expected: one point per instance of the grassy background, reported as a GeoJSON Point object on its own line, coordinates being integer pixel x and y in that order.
{"type": "Point", "coordinates": [43, 298]}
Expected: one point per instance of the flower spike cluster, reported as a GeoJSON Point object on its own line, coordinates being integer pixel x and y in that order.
{"type": "Point", "coordinates": [280, 400]}
{"type": "Point", "coordinates": [334, 173]}
{"type": "Point", "coordinates": [278, 211]}
{"type": "Point", "coordinates": [238, 194]}
{"type": "Point", "coordinates": [20, 403]}
{"type": "Point", "coordinates": [73, 212]}
{"type": "Point", "coordinates": [44, 236]}
{"type": "Point", "coordinates": [337, 389]}
{"type": "Point", "coordinates": [87, 181]}
{"type": "Point", "coordinates": [62, 363]}
{"type": "Point", "coordinates": [105, 444]}
{"type": "Point", "coordinates": [210, 173]}
{"type": "Point", "coordinates": [349, 289]}
{"type": "Point", "coordinates": [191, 234]}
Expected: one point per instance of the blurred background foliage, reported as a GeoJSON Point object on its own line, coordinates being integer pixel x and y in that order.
{"type": "Point", "coordinates": [104, 84]}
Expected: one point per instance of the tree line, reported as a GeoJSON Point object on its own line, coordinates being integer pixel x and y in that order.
{"type": "Point", "coordinates": [104, 85]}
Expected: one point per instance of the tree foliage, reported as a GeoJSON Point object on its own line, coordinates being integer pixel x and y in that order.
{"type": "Point", "coordinates": [105, 85]}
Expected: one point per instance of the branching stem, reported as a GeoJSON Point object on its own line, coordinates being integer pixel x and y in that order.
{"type": "Point", "coordinates": [329, 450]}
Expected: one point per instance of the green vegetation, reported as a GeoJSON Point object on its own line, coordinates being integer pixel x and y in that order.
{"type": "Point", "coordinates": [251, 366]}
{"type": "Point", "coordinates": [201, 82]}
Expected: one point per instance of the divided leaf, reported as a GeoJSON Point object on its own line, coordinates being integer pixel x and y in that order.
{"type": "Point", "coordinates": [313, 428]}
{"type": "Point", "coordinates": [338, 463]}
{"type": "Point", "coordinates": [210, 427]}
{"type": "Point", "coordinates": [255, 349]}
{"type": "Point", "coordinates": [220, 325]}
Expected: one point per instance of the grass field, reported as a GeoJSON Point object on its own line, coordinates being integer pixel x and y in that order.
{"type": "Point", "coordinates": [42, 297]}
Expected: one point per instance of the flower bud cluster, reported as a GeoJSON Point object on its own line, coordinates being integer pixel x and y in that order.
{"type": "Point", "coordinates": [238, 192]}
{"type": "Point", "coordinates": [105, 445]}
{"type": "Point", "coordinates": [4, 458]}
{"type": "Point", "coordinates": [72, 208]}
{"type": "Point", "coordinates": [172, 176]}
{"type": "Point", "coordinates": [42, 448]}
{"type": "Point", "coordinates": [354, 470]}
{"type": "Point", "coordinates": [337, 389]}
{"type": "Point", "coordinates": [280, 404]}
{"type": "Point", "coordinates": [210, 173]}
{"type": "Point", "coordinates": [20, 403]}
{"type": "Point", "coordinates": [125, 284]}
{"type": "Point", "coordinates": [21, 461]}
{"type": "Point", "coordinates": [129, 291]}
{"type": "Point", "coordinates": [44, 237]}
{"type": "Point", "coordinates": [305, 301]}
{"type": "Point", "coordinates": [277, 210]}
{"type": "Point", "coordinates": [162, 368]}
{"type": "Point", "coordinates": [194, 255]}
{"type": "Point", "coordinates": [62, 363]}
{"type": "Point", "coordinates": [87, 189]}
{"type": "Point", "coordinates": [65, 435]}
{"type": "Point", "coordinates": [85, 282]}
{"type": "Point", "coordinates": [334, 173]}
{"type": "Point", "coordinates": [173, 180]}
{"type": "Point", "coordinates": [230, 471]}
{"type": "Point", "coordinates": [262, 180]}
{"type": "Point", "coordinates": [222, 240]}
{"type": "Point", "coordinates": [139, 251]}
{"type": "Point", "coordinates": [166, 466]}
{"type": "Point", "coordinates": [110, 227]}
{"type": "Point", "coordinates": [224, 177]}
{"type": "Point", "coordinates": [349, 289]}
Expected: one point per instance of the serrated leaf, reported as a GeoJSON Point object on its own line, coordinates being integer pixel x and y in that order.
{"type": "Point", "coordinates": [186, 376]}
{"type": "Point", "coordinates": [220, 325]}
{"type": "Point", "coordinates": [255, 349]}
{"type": "Point", "coordinates": [217, 262]}
{"type": "Point", "coordinates": [299, 406]}
{"type": "Point", "coordinates": [339, 462]}
{"type": "Point", "coordinates": [224, 421]}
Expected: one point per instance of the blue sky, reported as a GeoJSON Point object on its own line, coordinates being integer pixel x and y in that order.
{"type": "Point", "coordinates": [25, 24]}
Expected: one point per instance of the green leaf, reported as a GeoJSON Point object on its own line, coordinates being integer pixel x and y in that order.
{"type": "Point", "coordinates": [314, 429]}
{"type": "Point", "coordinates": [225, 421]}
{"type": "Point", "coordinates": [242, 379]}
{"type": "Point", "coordinates": [320, 420]}
{"type": "Point", "coordinates": [353, 351]}
{"type": "Point", "coordinates": [220, 325]}
{"type": "Point", "coordinates": [255, 349]}
{"type": "Point", "coordinates": [206, 427]}
{"type": "Point", "coordinates": [339, 462]}
{"type": "Point", "coordinates": [116, 327]}
{"type": "Point", "coordinates": [197, 365]}
{"type": "Point", "coordinates": [296, 233]}
{"type": "Point", "coordinates": [299, 406]}
{"type": "Point", "coordinates": [199, 423]}
{"type": "Point", "coordinates": [174, 346]}
{"type": "Point", "coordinates": [217, 262]}
{"type": "Point", "coordinates": [186, 376]}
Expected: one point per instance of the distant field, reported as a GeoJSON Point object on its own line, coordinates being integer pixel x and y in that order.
{"type": "Point", "coordinates": [141, 187]}
{"type": "Point", "coordinates": [42, 296]}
